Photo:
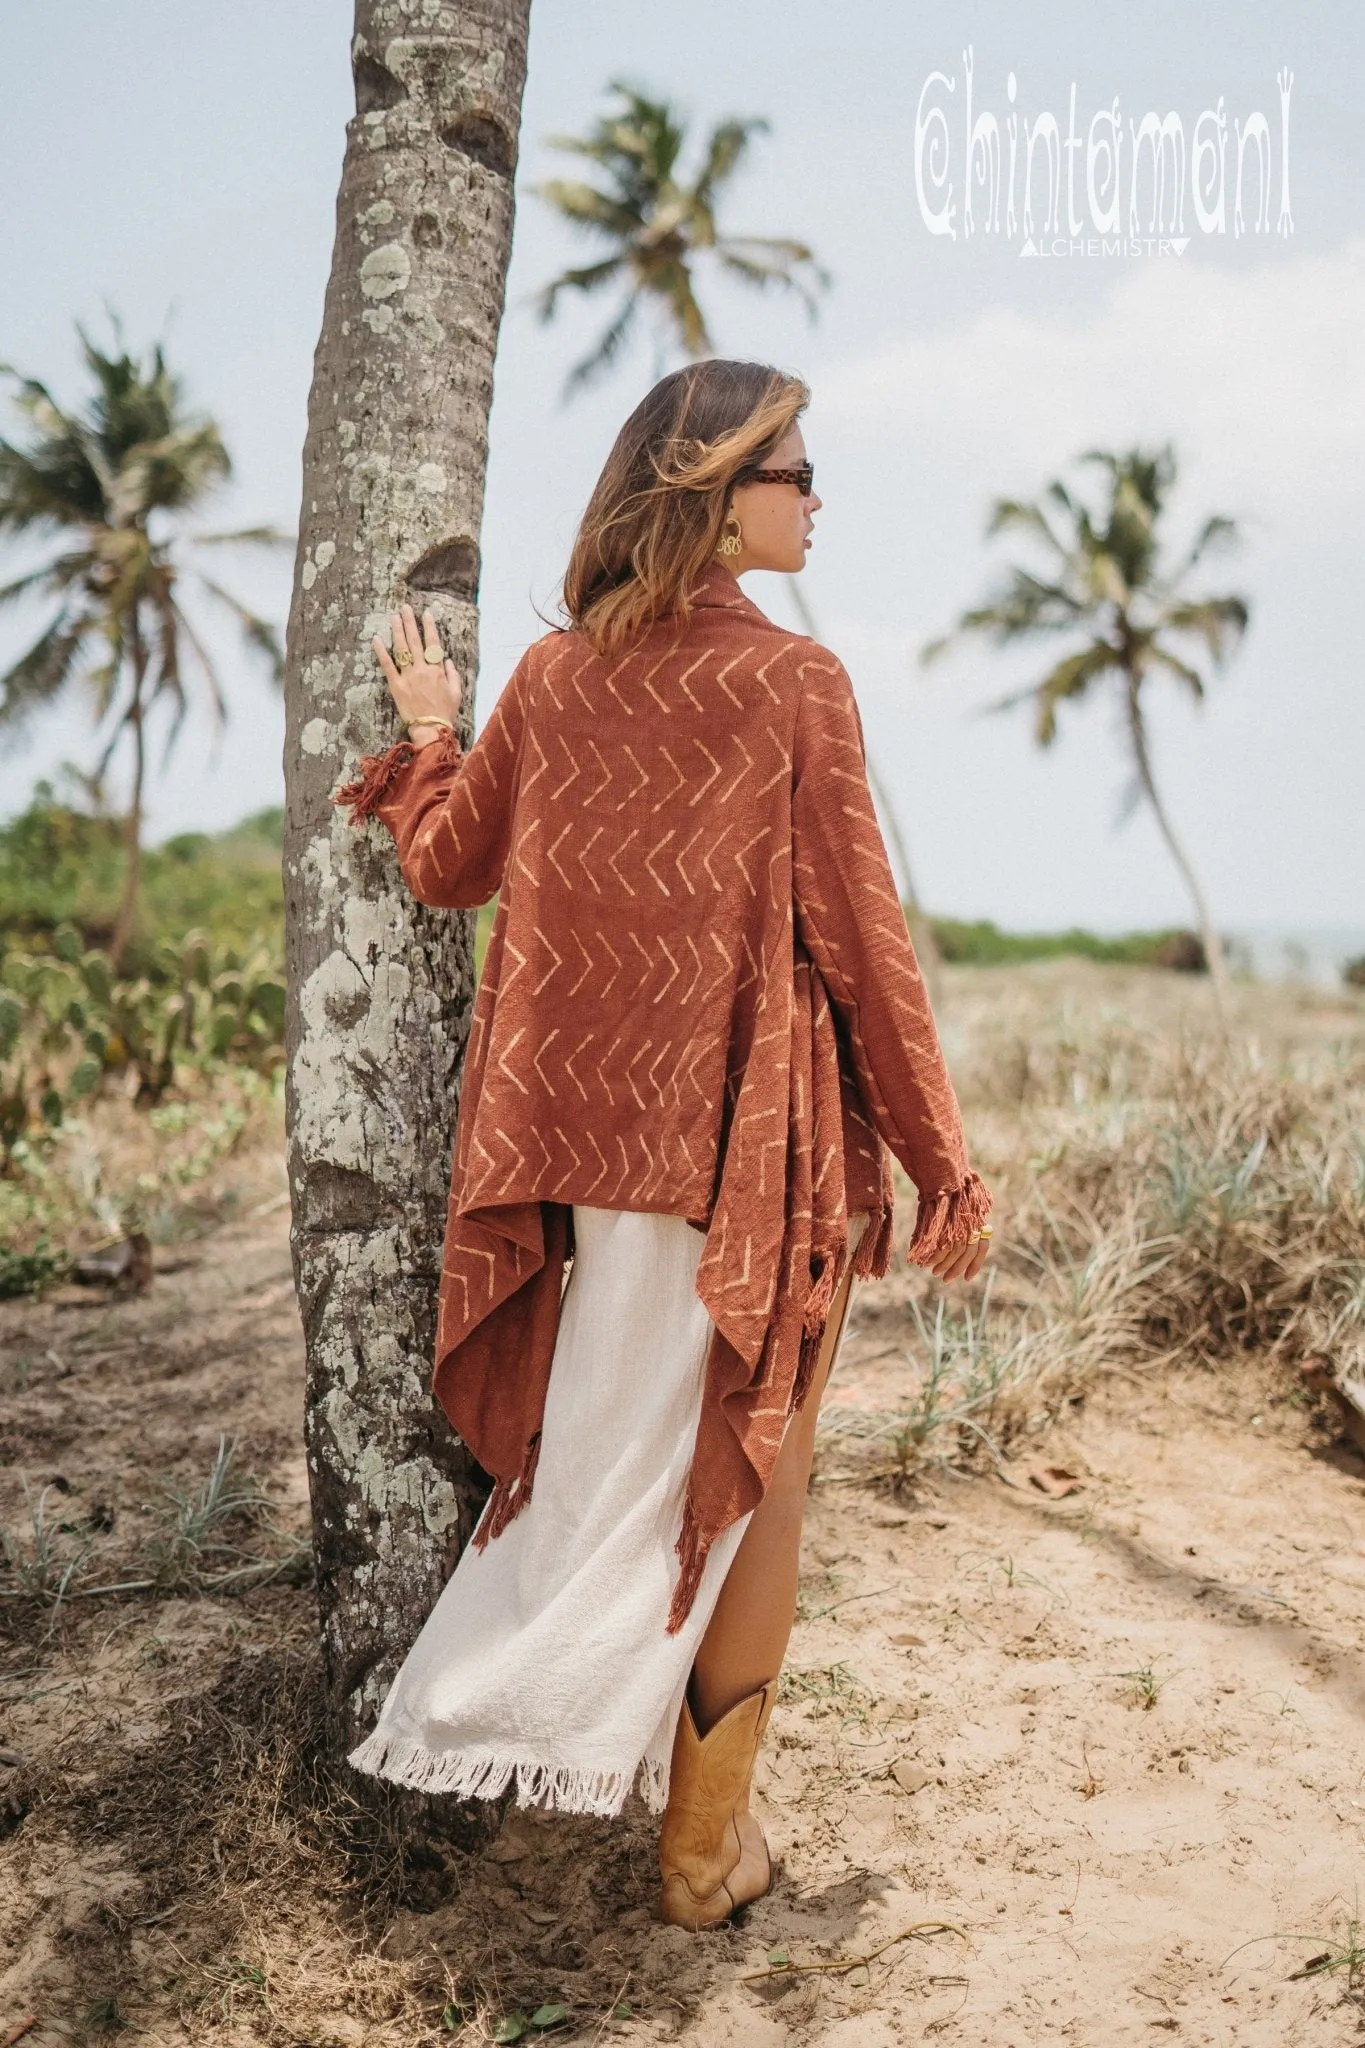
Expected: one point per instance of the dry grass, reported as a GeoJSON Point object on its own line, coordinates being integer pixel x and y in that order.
{"type": "Point", "coordinates": [175, 1171]}
{"type": "Point", "coordinates": [1166, 1195]}
{"type": "Point", "coordinates": [262, 1883]}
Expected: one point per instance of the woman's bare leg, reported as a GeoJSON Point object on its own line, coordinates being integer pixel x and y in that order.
{"type": "Point", "coordinates": [746, 1639]}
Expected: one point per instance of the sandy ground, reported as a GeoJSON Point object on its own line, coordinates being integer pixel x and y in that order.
{"type": "Point", "coordinates": [1112, 1740]}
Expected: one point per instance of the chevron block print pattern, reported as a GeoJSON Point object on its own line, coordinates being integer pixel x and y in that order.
{"type": "Point", "coordinates": [699, 996]}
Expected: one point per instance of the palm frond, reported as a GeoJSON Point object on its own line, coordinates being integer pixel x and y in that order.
{"type": "Point", "coordinates": [585, 207]}
{"type": "Point", "coordinates": [647, 129]}
{"type": "Point", "coordinates": [1130, 796]}
{"type": "Point", "coordinates": [1218, 534]}
{"type": "Point", "coordinates": [1172, 662]}
{"type": "Point", "coordinates": [36, 579]}
{"type": "Point", "coordinates": [133, 403]}
{"type": "Point", "coordinates": [170, 624]}
{"type": "Point", "coordinates": [726, 145]}
{"type": "Point", "coordinates": [75, 567]}
{"type": "Point", "coordinates": [167, 474]}
{"type": "Point", "coordinates": [50, 484]}
{"type": "Point", "coordinates": [116, 733]}
{"type": "Point", "coordinates": [1217, 621]}
{"type": "Point", "coordinates": [608, 348]}
{"type": "Point", "coordinates": [673, 287]}
{"type": "Point", "coordinates": [1007, 513]}
{"type": "Point", "coordinates": [205, 660]}
{"type": "Point", "coordinates": [1071, 677]}
{"type": "Point", "coordinates": [764, 261]}
{"type": "Point", "coordinates": [246, 536]}
{"type": "Point", "coordinates": [201, 654]}
{"type": "Point", "coordinates": [257, 632]}
{"type": "Point", "coordinates": [64, 458]}
{"type": "Point", "coordinates": [43, 671]}
{"type": "Point", "coordinates": [1026, 604]}
{"type": "Point", "coordinates": [169, 681]}
{"type": "Point", "coordinates": [32, 392]}
{"type": "Point", "coordinates": [588, 279]}
{"type": "Point", "coordinates": [1149, 472]}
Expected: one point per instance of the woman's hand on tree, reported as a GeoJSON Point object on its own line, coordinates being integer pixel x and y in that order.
{"type": "Point", "coordinates": [430, 684]}
{"type": "Point", "coordinates": [963, 1261]}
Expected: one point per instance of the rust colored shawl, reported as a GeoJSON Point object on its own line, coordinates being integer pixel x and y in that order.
{"type": "Point", "coordinates": [699, 997]}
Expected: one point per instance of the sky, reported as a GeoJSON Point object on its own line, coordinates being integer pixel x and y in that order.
{"type": "Point", "coordinates": [195, 191]}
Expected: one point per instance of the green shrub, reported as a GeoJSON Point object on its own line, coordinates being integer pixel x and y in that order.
{"type": "Point", "coordinates": [61, 866]}
{"type": "Point", "coordinates": [67, 1021]}
{"type": "Point", "coordinates": [983, 944]}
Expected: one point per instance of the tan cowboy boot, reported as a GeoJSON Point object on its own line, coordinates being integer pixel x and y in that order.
{"type": "Point", "coordinates": [712, 1855]}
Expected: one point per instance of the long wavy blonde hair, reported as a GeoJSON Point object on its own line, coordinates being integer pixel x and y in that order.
{"type": "Point", "coordinates": [656, 513]}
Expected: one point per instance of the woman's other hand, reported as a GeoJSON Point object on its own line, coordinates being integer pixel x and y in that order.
{"type": "Point", "coordinates": [426, 685]}
{"type": "Point", "coordinates": [963, 1261]}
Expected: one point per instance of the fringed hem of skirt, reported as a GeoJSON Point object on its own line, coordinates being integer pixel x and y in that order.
{"type": "Point", "coordinates": [486, 1774]}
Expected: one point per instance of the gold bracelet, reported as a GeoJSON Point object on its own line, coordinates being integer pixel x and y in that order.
{"type": "Point", "coordinates": [409, 723]}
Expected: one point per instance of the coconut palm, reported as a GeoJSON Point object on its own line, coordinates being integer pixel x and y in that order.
{"type": "Point", "coordinates": [111, 485]}
{"type": "Point", "coordinates": [1106, 586]}
{"type": "Point", "coordinates": [656, 225]}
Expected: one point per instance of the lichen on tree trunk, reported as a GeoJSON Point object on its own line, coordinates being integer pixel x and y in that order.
{"type": "Point", "coordinates": [381, 988]}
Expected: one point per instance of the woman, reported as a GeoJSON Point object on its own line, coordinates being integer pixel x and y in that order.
{"type": "Point", "coordinates": [699, 1038]}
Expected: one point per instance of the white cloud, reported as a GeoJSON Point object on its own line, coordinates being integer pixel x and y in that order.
{"type": "Point", "coordinates": [1258, 376]}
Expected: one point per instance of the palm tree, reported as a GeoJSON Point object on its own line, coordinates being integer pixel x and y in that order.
{"type": "Point", "coordinates": [380, 988]}
{"type": "Point", "coordinates": [1105, 582]}
{"type": "Point", "coordinates": [656, 225]}
{"type": "Point", "coordinates": [104, 482]}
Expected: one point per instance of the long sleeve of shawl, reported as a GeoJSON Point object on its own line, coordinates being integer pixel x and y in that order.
{"type": "Point", "coordinates": [450, 813]}
{"type": "Point", "coordinates": [850, 919]}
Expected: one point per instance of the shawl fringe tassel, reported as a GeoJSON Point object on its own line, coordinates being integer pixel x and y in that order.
{"type": "Point", "coordinates": [378, 772]}
{"type": "Point", "coordinates": [949, 1219]}
{"type": "Point", "coordinates": [871, 1260]}
{"type": "Point", "coordinates": [691, 1554]}
{"type": "Point", "coordinates": [508, 1498]}
{"type": "Point", "coordinates": [821, 1295]}
{"type": "Point", "coordinates": [481, 1774]}
{"type": "Point", "coordinates": [807, 1359]}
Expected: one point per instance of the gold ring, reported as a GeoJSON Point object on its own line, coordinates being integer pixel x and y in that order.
{"type": "Point", "coordinates": [402, 658]}
{"type": "Point", "coordinates": [436, 655]}
{"type": "Point", "coordinates": [986, 1230]}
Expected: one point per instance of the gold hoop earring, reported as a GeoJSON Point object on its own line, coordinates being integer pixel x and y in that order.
{"type": "Point", "coordinates": [731, 543]}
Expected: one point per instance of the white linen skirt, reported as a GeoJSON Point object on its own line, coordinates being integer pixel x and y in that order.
{"type": "Point", "coordinates": [546, 1660]}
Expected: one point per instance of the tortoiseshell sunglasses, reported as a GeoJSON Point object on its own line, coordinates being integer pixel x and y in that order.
{"type": "Point", "coordinates": [803, 477]}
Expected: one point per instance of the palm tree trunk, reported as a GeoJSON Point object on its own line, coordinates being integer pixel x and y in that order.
{"type": "Point", "coordinates": [132, 877]}
{"type": "Point", "coordinates": [381, 988]}
{"type": "Point", "coordinates": [1213, 946]}
{"type": "Point", "coordinates": [921, 930]}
